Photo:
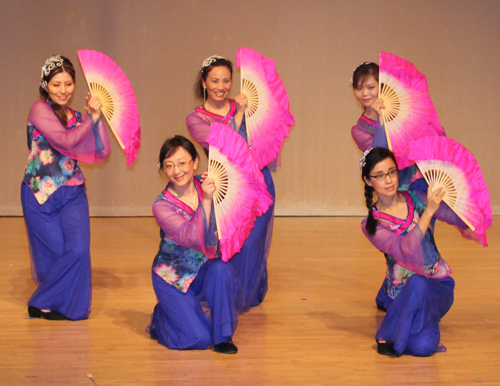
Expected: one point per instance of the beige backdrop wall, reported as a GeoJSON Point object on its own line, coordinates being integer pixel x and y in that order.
{"type": "Point", "coordinates": [316, 45]}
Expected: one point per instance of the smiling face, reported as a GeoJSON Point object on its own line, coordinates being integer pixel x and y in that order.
{"type": "Point", "coordinates": [218, 84]}
{"type": "Point", "coordinates": [61, 88]}
{"type": "Point", "coordinates": [387, 186]}
{"type": "Point", "coordinates": [367, 91]}
{"type": "Point", "coordinates": [180, 167]}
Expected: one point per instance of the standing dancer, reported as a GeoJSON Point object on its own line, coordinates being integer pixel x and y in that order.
{"type": "Point", "coordinates": [418, 290]}
{"type": "Point", "coordinates": [53, 194]}
{"type": "Point", "coordinates": [187, 270]}
{"type": "Point", "coordinates": [213, 86]}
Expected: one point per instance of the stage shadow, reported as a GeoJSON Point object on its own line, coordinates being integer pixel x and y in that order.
{"type": "Point", "coordinates": [365, 326]}
{"type": "Point", "coordinates": [22, 286]}
{"type": "Point", "coordinates": [105, 279]}
{"type": "Point", "coordinates": [133, 320]}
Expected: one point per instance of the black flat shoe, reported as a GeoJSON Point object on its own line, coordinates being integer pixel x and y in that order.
{"type": "Point", "coordinates": [226, 347]}
{"type": "Point", "coordinates": [34, 312]}
{"type": "Point", "coordinates": [386, 348]}
{"type": "Point", "coordinates": [51, 315]}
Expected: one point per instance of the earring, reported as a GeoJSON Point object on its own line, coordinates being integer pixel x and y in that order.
{"type": "Point", "coordinates": [204, 94]}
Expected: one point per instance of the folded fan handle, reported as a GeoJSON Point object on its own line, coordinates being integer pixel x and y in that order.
{"type": "Point", "coordinates": [389, 144]}
{"type": "Point", "coordinates": [211, 174]}
{"type": "Point", "coordinates": [247, 111]}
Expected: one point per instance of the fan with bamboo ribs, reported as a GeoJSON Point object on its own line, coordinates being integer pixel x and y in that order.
{"type": "Point", "coordinates": [240, 194]}
{"type": "Point", "coordinates": [409, 113]}
{"type": "Point", "coordinates": [107, 81]}
{"type": "Point", "coordinates": [451, 166]}
{"type": "Point", "coordinates": [268, 118]}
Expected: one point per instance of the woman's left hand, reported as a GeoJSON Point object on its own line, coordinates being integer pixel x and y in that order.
{"type": "Point", "coordinates": [434, 198]}
{"type": "Point", "coordinates": [93, 106]}
{"type": "Point", "coordinates": [208, 187]}
{"type": "Point", "coordinates": [242, 102]}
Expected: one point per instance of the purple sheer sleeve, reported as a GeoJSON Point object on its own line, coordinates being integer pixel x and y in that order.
{"type": "Point", "coordinates": [102, 145]}
{"type": "Point", "coordinates": [78, 143]}
{"type": "Point", "coordinates": [179, 228]}
{"type": "Point", "coordinates": [406, 249]}
{"type": "Point", "coordinates": [362, 137]}
{"type": "Point", "coordinates": [199, 129]}
{"type": "Point", "coordinates": [365, 139]}
{"type": "Point", "coordinates": [446, 214]}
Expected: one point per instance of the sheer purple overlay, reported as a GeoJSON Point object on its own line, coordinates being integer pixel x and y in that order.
{"type": "Point", "coordinates": [79, 143]}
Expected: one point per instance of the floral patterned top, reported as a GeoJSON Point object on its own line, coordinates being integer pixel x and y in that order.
{"type": "Point", "coordinates": [54, 149]}
{"type": "Point", "coordinates": [406, 249]}
{"type": "Point", "coordinates": [187, 240]}
{"type": "Point", "coordinates": [47, 168]}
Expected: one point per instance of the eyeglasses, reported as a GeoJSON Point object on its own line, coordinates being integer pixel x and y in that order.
{"type": "Point", "coordinates": [382, 176]}
{"type": "Point", "coordinates": [169, 168]}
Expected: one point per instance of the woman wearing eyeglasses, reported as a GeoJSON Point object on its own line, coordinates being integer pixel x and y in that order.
{"type": "Point", "coordinates": [188, 271]}
{"type": "Point", "coordinates": [418, 290]}
{"type": "Point", "coordinates": [369, 133]}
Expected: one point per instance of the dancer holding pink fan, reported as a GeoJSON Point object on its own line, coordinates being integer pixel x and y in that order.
{"type": "Point", "coordinates": [418, 290]}
{"type": "Point", "coordinates": [379, 100]}
{"type": "Point", "coordinates": [188, 273]}
{"type": "Point", "coordinates": [213, 87]}
{"type": "Point", "coordinates": [53, 194]}
{"type": "Point", "coordinates": [397, 109]}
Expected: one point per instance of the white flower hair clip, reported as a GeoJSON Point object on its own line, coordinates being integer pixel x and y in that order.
{"type": "Point", "coordinates": [362, 161]}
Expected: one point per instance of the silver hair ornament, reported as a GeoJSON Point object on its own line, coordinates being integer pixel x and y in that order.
{"type": "Point", "coordinates": [362, 161]}
{"type": "Point", "coordinates": [51, 63]}
{"type": "Point", "coordinates": [211, 59]}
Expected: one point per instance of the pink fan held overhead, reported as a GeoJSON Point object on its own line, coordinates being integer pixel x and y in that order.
{"type": "Point", "coordinates": [241, 193]}
{"type": "Point", "coordinates": [106, 80]}
{"type": "Point", "coordinates": [409, 113]}
{"type": "Point", "coordinates": [451, 166]}
{"type": "Point", "coordinates": [268, 118]}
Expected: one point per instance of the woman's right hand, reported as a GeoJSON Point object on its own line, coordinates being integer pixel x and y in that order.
{"type": "Point", "coordinates": [93, 107]}
{"type": "Point", "coordinates": [208, 187]}
{"type": "Point", "coordinates": [434, 198]}
{"type": "Point", "coordinates": [242, 102]}
{"type": "Point", "coordinates": [377, 106]}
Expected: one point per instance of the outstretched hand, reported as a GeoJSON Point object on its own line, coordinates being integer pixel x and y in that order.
{"type": "Point", "coordinates": [93, 106]}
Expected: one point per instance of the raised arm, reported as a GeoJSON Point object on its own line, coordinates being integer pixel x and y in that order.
{"type": "Point", "coordinates": [199, 129]}
{"type": "Point", "coordinates": [78, 143]}
{"type": "Point", "coordinates": [176, 227]}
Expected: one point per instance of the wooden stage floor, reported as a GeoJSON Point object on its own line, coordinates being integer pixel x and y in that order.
{"type": "Point", "coordinates": [315, 327]}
